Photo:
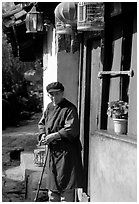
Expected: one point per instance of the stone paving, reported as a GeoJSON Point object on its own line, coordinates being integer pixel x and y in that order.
{"type": "Point", "coordinates": [24, 136]}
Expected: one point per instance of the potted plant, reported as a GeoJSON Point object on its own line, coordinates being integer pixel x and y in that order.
{"type": "Point", "coordinates": [118, 110]}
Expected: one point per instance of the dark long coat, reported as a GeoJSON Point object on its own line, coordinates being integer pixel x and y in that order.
{"type": "Point", "coordinates": [64, 164]}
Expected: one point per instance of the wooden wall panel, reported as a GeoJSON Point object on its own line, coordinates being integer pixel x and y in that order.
{"type": "Point", "coordinates": [132, 122]}
{"type": "Point", "coordinates": [95, 90]}
{"type": "Point", "coordinates": [115, 82]}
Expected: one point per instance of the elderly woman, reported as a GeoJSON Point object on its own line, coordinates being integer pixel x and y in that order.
{"type": "Point", "coordinates": [59, 128]}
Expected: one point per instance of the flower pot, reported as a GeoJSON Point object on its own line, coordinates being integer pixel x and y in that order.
{"type": "Point", "coordinates": [120, 126]}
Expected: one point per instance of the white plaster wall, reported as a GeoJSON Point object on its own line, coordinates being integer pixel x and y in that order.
{"type": "Point", "coordinates": [113, 170]}
{"type": "Point", "coordinates": [67, 74]}
{"type": "Point", "coordinates": [61, 67]}
{"type": "Point", "coordinates": [49, 63]}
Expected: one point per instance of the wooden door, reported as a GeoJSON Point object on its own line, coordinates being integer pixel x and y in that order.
{"type": "Point", "coordinates": [89, 97]}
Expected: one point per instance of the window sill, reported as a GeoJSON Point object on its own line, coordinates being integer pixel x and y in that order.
{"type": "Point", "coordinates": [124, 138]}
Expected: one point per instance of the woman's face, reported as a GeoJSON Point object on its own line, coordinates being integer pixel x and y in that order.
{"type": "Point", "coordinates": [56, 97]}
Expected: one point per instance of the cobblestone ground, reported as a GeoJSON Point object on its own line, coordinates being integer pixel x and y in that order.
{"type": "Point", "coordinates": [24, 136]}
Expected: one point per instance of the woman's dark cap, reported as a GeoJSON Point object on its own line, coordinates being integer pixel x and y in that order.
{"type": "Point", "coordinates": [54, 86]}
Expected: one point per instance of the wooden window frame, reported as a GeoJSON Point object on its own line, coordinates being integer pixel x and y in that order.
{"type": "Point", "coordinates": [125, 71]}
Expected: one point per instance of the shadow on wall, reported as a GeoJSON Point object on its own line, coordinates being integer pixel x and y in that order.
{"type": "Point", "coordinates": [68, 65]}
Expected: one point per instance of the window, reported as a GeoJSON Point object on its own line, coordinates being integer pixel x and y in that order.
{"type": "Point", "coordinates": [117, 68]}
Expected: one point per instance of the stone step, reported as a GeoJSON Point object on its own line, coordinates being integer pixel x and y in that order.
{"type": "Point", "coordinates": [32, 182]}
{"type": "Point", "coordinates": [27, 163]}
{"type": "Point", "coordinates": [14, 173]}
{"type": "Point", "coordinates": [31, 174]}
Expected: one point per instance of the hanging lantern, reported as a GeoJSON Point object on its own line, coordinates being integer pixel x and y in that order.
{"type": "Point", "coordinates": [34, 21]}
{"type": "Point", "coordinates": [90, 16]}
{"type": "Point", "coordinates": [66, 12]}
{"type": "Point", "coordinates": [65, 18]}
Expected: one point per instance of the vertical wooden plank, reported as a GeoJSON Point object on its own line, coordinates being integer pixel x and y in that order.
{"type": "Point", "coordinates": [96, 66]}
{"type": "Point", "coordinates": [100, 82]}
{"type": "Point", "coordinates": [107, 64]}
{"type": "Point", "coordinates": [132, 121]}
{"type": "Point", "coordinates": [82, 107]}
{"type": "Point", "coordinates": [80, 75]}
{"type": "Point", "coordinates": [126, 53]}
{"type": "Point", "coordinates": [85, 109]}
{"type": "Point", "coordinates": [115, 82]}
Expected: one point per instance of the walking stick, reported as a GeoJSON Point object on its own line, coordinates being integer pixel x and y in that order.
{"type": "Point", "coordinates": [40, 181]}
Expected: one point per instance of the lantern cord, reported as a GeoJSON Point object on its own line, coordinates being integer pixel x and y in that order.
{"type": "Point", "coordinates": [35, 3]}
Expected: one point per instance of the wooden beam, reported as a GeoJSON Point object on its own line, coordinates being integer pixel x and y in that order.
{"type": "Point", "coordinates": [115, 73]}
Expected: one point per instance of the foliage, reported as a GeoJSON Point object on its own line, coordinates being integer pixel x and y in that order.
{"type": "Point", "coordinates": [12, 68]}
{"type": "Point", "coordinates": [118, 109]}
{"type": "Point", "coordinates": [28, 95]}
{"type": "Point", "coordinates": [19, 94]}
{"type": "Point", "coordinates": [6, 6]}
